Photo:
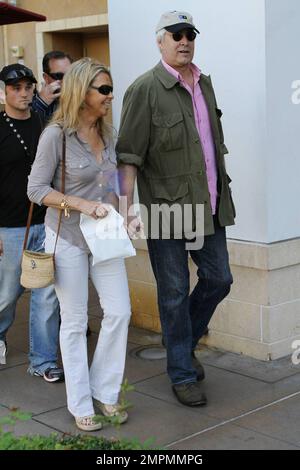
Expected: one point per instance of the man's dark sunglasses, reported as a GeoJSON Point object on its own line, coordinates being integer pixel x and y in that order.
{"type": "Point", "coordinates": [56, 76]}
{"type": "Point", "coordinates": [103, 89]}
{"type": "Point", "coordinates": [189, 34]}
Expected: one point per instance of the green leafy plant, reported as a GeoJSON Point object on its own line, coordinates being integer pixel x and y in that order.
{"type": "Point", "coordinates": [80, 442]}
{"type": "Point", "coordinates": [14, 416]}
{"type": "Point", "coordinates": [124, 406]}
{"type": "Point", "coordinates": [8, 441]}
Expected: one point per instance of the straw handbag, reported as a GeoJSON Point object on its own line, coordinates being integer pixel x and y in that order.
{"type": "Point", "coordinates": [37, 269]}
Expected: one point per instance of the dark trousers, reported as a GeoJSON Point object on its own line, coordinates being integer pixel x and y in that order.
{"type": "Point", "coordinates": [184, 317]}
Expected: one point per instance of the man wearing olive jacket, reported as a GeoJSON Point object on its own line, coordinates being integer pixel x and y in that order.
{"type": "Point", "coordinates": [171, 138]}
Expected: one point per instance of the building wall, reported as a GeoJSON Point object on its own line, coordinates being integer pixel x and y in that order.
{"type": "Point", "coordinates": [261, 316]}
{"type": "Point", "coordinates": [25, 34]}
{"type": "Point", "coordinates": [57, 9]}
{"type": "Point", "coordinates": [283, 136]}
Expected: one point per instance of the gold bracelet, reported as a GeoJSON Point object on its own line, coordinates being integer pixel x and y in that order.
{"type": "Point", "coordinates": [65, 206]}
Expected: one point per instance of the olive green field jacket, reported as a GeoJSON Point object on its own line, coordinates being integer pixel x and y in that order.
{"type": "Point", "coordinates": [158, 135]}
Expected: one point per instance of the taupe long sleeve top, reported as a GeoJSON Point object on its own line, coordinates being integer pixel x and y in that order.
{"type": "Point", "coordinates": [85, 177]}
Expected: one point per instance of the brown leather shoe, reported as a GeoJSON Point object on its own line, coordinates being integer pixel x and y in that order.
{"type": "Point", "coordinates": [198, 366]}
{"type": "Point", "coordinates": [190, 394]}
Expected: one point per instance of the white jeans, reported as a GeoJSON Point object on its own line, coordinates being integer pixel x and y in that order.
{"type": "Point", "coordinates": [104, 379]}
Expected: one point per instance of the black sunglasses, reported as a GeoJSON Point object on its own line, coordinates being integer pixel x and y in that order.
{"type": "Point", "coordinates": [56, 76]}
{"type": "Point", "coordinates": [13, 74]}
{"type": "Point", "coordinates": [189, 34]}
{"type": "Point", "coordinates": [103, 89]}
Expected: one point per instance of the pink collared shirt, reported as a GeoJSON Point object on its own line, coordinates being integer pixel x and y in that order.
{"type": "Point", "coordinates": [204, 129]}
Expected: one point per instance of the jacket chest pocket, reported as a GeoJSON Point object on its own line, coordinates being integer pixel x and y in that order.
{"type": "Point", "coordinates": [169, 131]}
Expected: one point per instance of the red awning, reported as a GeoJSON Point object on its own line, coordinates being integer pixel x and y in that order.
{"type": "Point", "coordinates": [10, 14]}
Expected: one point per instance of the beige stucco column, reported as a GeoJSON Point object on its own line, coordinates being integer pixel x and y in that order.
{"type": "Point", "coordinates": [261, 316]}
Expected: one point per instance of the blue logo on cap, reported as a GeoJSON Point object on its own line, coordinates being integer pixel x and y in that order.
{"type": "Point", "coordinates": [182, 17]}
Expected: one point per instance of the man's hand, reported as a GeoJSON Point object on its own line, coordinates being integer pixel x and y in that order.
{"type": "Point", "coordinates": [1, 248]}
{"type": "Point", "coordinates": [134, 227]}
{"type": "Point", "coordinates": [49, 93]}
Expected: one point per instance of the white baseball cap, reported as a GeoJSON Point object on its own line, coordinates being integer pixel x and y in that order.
{"type": "Point", "coordinates": [174, 21]}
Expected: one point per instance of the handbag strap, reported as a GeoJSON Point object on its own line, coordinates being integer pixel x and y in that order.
{"type": "Point", "coordinates": [63, 178]}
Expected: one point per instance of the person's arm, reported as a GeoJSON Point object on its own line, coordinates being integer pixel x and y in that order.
{"type": "Point", "coordinates": [132, 147]}
{"type": "Point", "coordinates": [127, 177]}
{"type": "Point", "coordinates": [42, 173]}
{"type": "Point", "coordinates": [40, 107]}
{"type": "Point", "coordinates": [112, 191]}
{"type": "Point", "coordinates": [113, 199]}
{"type": "Point", "coordinates": [49, 93]}
{"type": "Point", "coordinates": [92, 208]}
{"type": "Point", "coordinates": [42, 101]}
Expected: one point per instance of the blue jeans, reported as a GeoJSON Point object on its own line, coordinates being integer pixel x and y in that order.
{"type": "Point", "coordinates": [44, 306]}
{"type": "Point", "coordinates": [184, 317]}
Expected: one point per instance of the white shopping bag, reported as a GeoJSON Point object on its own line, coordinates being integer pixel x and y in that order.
{"type": "Point", "coordinates": [106, 238]}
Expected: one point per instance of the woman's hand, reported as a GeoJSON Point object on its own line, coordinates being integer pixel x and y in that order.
{"type": "Point", "coordinates": [94, 209]}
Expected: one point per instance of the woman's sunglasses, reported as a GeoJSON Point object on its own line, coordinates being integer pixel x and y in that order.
{"type": "Point", "coordinates": [103, 89]}
{"type": "Point", "coordinates": [189, 34]}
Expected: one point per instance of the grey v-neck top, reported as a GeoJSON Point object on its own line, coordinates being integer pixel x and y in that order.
{"type": "Point", "coordinates": [85, 177]}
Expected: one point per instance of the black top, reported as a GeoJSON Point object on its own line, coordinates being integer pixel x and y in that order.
{"type": "Point", "coordinates": [15, 166]}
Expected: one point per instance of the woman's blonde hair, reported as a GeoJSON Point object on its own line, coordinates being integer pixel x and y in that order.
{"type": "Point", "coordinates": [75, 86]}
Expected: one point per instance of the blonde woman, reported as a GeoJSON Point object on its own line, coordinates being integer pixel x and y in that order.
{"type": "Point", "coordinates": [90, 183]}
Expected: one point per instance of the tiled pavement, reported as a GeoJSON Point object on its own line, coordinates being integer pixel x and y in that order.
{"type": "Point", "coordinates": [252, 404]}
